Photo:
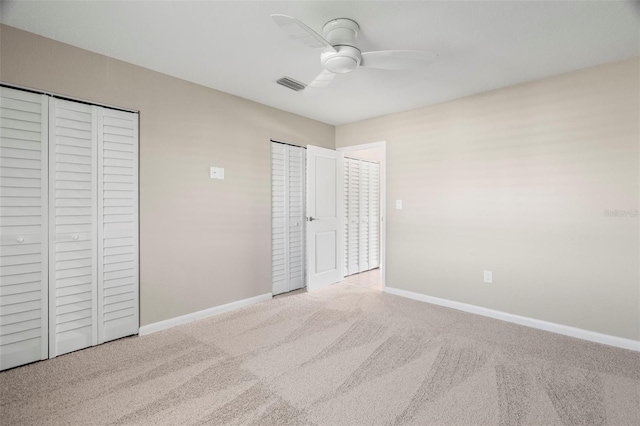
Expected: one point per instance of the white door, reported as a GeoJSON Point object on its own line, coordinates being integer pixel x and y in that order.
{"type": "Point", "coordinates": [23, 228]}
{"type": "Point", "coordinates": [117, 173]}
{"type": "Point", "coordinates": [287, 217]}
{"type": "Point", "coordinates": [72, 226]}
{"type": "Point", "coordinates": [324, 221]}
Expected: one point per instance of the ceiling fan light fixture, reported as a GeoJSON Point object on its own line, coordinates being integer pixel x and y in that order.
{"type": "Point", "coordinates": [345, 60]}
{"type": "Point", "coordinates": [340, 52]}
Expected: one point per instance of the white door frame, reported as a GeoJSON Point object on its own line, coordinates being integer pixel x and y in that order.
{"type": "Point", "coordinates": [383, 201]}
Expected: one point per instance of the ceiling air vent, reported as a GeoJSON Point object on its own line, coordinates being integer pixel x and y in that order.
{"type": "Point", "coordinates": [291, 84]}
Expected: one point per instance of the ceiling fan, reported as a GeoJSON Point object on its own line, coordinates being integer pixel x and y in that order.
{"type": "Point", "coordinates": [340, 53]}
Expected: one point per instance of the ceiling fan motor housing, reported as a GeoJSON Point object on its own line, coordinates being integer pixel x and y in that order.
{"type": "Point", "coordinates": [341, 34]}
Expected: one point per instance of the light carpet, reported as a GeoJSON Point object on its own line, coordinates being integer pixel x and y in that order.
{"type": "Point", "coordinates": [344, 355]}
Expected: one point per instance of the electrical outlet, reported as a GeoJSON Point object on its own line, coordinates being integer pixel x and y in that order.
{"type": "Point", "coordinates": [488, 276]}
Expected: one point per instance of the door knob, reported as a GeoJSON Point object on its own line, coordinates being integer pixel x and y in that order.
{"type": "Point", "coordinates": [75, 238]}
{"type": "Point", "coordinates": [20, 240]}
{"type": "Point", "coordinates": [311, 219]}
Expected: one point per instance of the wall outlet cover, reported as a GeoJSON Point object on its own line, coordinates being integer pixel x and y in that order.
{"type": "Point", "coordinates": [488, 276]}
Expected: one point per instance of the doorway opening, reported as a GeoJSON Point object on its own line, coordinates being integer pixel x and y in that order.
{"type": "Point", "coordinates": [364, 214]}
{"type": "Point", "coordinates": [327, 216]}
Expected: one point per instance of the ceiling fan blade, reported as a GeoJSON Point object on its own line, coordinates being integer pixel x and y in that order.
{"type": "Point", "coordinates": [296, 30]}
{"type": "Point", "coordinates": [322, 80]}
{"type": "Point", "coordinates": [397, 59]}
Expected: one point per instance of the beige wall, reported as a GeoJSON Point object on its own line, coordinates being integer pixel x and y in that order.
{"type": "Point", "coordinates": [371, 154]}
{"type": "Point", "coordinates": [517, 181]}
{"type": "Point", "coordinates": [203, 242]}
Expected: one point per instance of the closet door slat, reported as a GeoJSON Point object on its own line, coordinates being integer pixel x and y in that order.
{"type": "Point", "coordinates": [288, 254]}
{"type": "Point", "coordinates": [296, 216]}
{"type": "Point", "coordinates": [354, 216]}
{"type": "Point", "coordinates": [72, 226]}
{"type": "Point", "coordinates": [23, 228]}
{"type": "Point", "coordinates": [117, 225]}
{"type": "Point", "coordinates": [345, 219]}
{"type": "Point", "coordinates": [374, 215]}
{"type": "Point", "coordinates": [279, 244]}
{"type": "Point", "coordinates": [363, 256]}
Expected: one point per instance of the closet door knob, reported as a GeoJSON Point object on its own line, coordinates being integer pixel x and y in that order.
{"type": "Point", "coordinates": [75, 238]}
{"type": "Point", "coordinates": [20, 240]}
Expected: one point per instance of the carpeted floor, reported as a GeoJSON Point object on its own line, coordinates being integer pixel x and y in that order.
{"type": "Point", "coordinates": [345, 355]}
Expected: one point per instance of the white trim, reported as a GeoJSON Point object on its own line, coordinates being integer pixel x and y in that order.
{"type": "Point", "coordinates": [206, 313]}
{"type": "Point", "coordinates": [383, 202]}
{"type": "Point", "coordinates": [64, 97]}
{"type": "Point", "coordinates": [566, 330]}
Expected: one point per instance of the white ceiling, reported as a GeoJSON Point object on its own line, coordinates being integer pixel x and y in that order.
{"type": "Point", "coordinates": [234, 46]}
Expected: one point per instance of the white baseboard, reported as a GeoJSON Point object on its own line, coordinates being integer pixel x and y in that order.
{"type": "Point", "coordinates": [194, 316]}
{"type": "Point", "coordinates": [566, 330]}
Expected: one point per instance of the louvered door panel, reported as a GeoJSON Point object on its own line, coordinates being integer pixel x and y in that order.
{"type": "Point", "coordinates": [23, 228]}
{"type": "Point", "coordinates": [288, 216]}
{"type": "Point", "coordinates": [354, 216]}
{"type": "Point", "coordinates": [117, 172]}
{"type": "Point", "coordinates": [374, 215]}
{"type": "Point", "coordinates": [345, 219]}
{"type": "Point", "coordinates": [72, 226]}
{"type": "Point", "coordinates": [296, 216]}
{"type": "Point", "coordinates": [278, 219]}
{"type": "Point", "coordinates": [363, 256]}
{"type": "Point", "coordinates": [362, 215]}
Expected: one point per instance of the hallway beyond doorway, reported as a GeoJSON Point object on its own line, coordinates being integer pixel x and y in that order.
{"type": "Point", "coordinates": [369, 279]}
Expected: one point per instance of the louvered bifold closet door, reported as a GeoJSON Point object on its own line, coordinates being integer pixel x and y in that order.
{"type": "Point", "coordinates": [72, 226]}
{"type": "Point", "coordinates": [23, 228]}
{"type": "Point", "coordinates": [117, 224]}
{"type": "Point", "coordinates": [354, 216]}
{"type": "Point", "coordinates": [296, 216]}
{"type": "Point", "coordinates": [363, 256]}
{"type": "Point", "coordinates": [278, 219]}
{"type": "Point", "coordinates": [374, 215]}
{"type": "Point", "coordinates": [288, 204]}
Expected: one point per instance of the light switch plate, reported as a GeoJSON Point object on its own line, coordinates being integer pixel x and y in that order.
{"type": "Point", "coordinates": [398, 204]}
{"type": "Point", "coordinates": [217, 173]}
{"type": "Point", "coordinates": [488, 276]}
